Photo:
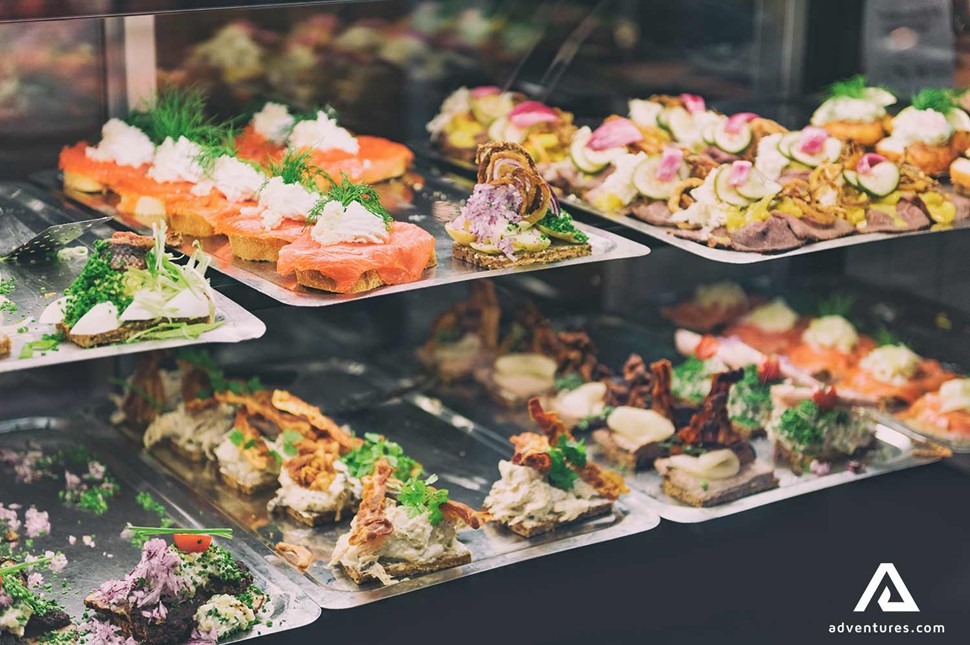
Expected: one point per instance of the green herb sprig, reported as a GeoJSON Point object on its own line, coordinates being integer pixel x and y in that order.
{"type": "Point", "coordinates": [838, 304]}
{"type": "Point", "coordinates": [347, 192]}
{"type": "Point", "coordinates": [15, 568]}
{"type": "Point", "coordinates": [178, 112]}
{"type": "Point", "coordinates": [418, 496]}
{"type": "Point", "coordinates": [934, 98]}
{"type": "Point", "coordinates": [564, 455]}
{"type": "Point", "coordinates": [149, 531]}
{"type": "Point", "coordinates": [569, 382]}
{"type": "Point", "coordinates": [853, 87]}
{"type": "Point", "coordinates": [360, 461]}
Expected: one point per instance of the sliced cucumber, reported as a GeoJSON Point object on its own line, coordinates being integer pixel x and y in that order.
{"type": "Point", "coordinates": [502, 130]}
{"type": "Point", "coordinates": [662, 119]}
{"type": "Point", "coordinates": [851, 178]}
{"type": "Point", "coordinates": [787, 142]}
{"type": "Point", "coordinates": [958, 119]}
{"type": "Point", "coordinates": [831, 149]}
{"type": "Point", "coordinates": [580, 155]}
{"type": "Point", "coordinates": [881, 180]}
{"type": "Point", "coordinates": [487, 108]}
{"type": "Point", "coordinates": [646, 182]}
{"type": "Point", "coordinates": [707, 134]}
{"type": "Point", "coordinates": [681, 124]}
{"type": "Point", "coordinates": [726, 192]}
{"type": "Point", "coordinates": [758, 187]}
{"type": "Point", "coordinates": [732, 143]}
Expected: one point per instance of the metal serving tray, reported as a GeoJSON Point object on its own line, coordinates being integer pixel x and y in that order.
{"type": "Point", "coordinates": [728, 256]}
{"type": "Point", "coordinates": [438, 195]}
{"type": "Point", "coordinates": [24, 211]}
{"type": "Point", "coordinates": [111, 556]}
{"type": "Point", "coordinates": [463, 454]}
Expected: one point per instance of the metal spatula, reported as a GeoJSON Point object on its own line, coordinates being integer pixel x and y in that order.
{"type": "Point", "coordinates": [46, 243]}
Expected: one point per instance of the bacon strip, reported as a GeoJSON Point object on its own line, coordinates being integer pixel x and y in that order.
{"type": "Point", "coordinates": [531, 450]}
{"type": "Point", "coordinates": [261, 404]}
{"type": "Point", "coordinates": [370, 524]}
{"type": "Point", "coordinates": [663, 400]}
{"type": "Point", "coordinates": [712, 424]}
{"type": "Point", "coordinates": [257, 455]}
{"type": "Point", "coordinates": [456, 512]}
{"type": "Point", "coordinates": [607, 483]}
{"type": "Point", "coordinates": [296, 406]}
{"type": "Point", "coordinates": [548, 422]}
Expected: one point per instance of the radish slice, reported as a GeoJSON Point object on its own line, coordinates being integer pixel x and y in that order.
{"type": "Point", "coordinates": [736, 121]}
{"type": "Point", "coordinates": [613, 134]}
{"type": "Point", "coordinates": [526, 115]}
{"type": "Point", "coordinates": [693, 103]}
{"type": "Point", "coordinates": [484, 90]}
{"type": "Point", "coordinates": [867, 161]}
{"type": "Point", "coordinates": [812, 140]}
{"type": "Point", "coordinates": [670, 162]}
{"type": "Point", "coordinates": [740, 171]}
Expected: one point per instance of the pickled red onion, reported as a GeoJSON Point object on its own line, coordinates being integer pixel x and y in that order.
{"type": "Point", "coordinates": [614, 133]}
{"type": "Point", "coordinates": [526, 115]}
{"type": "Point", "coordinates": [736, 121]}
{"type": "Point", "coordinates": [867, 161]}
{"type": "Point", "coordinates": [669, 163]}
{"type": "Point", "coordinates": [740, 170]}
{"type": "Point", "coordinates": [693, 103]}
{"type": "Point", "coordinates": [484, 90]}
{"type": "Point", "coordinates": [812, 140]}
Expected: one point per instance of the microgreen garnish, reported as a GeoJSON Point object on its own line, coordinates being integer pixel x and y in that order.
{"type": "Point", "coordinates": [347, 192]}
{"type": "Point", "coordinates": [934, 98]}
{"type": "Point", "coordinates": [564, 455]}
{"type": "Point", "coordinates": [145, 531]}
{"type": "Point", "coordinates": [360, 461]}
{"type": "Point", "coordinates": [177, 112]}
{"type": "Point", "coordinates": [418, 496]}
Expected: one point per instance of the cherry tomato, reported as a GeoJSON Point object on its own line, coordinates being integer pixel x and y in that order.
{"type": "Point", "coordinates": [769, 370]}
{"type": "Point", "coordinates": [825, 398]}
{"type": "Point", "coordinates": [706, 348]}
{"type": "Point", "coordinates": [192, 542]}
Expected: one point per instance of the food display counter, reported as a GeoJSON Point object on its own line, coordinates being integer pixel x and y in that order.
{"type": "Point", "coordinates": [387, 319]}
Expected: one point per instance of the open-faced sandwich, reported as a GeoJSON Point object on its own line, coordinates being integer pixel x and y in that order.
{"type": "Point", "coordinates": [549, 482]}
{"type": "Point", "coordinates": [544, 132]}
{"type": "Point", "coordinates": [26, 617]}
{"type": "Point", "coordinates": [711, 306]}
{"type": "Point", "coordinates": [131, 289]}
{"type": "Point", "coordinates": [829, 348]}
{"type": "Point", "coordinates": [465, 336]}
{"type": "Point", "coordinates": [682, 119]}
{"type": "Point", "coordinates": [944, 413]}
{"type": "Point", "coordinates": [192, 589]}
{"type": "Point", "coordinates": [710, 463]}
{"type": "Point", "coordinates": [855, 111]}
{"type": "Point", "coordinates": [814, 428]}
{"type": "Point", "coordinates": [159, 383]}
{"type": "Point", "coordinates": [463, 122]}
{"type": "Point", "coordinates": [793, 155]}
{"type": "Point", "coordinates": [413, 534]}
{"type": "Point", "coordinates": [513, 218]}
{"type": "Point", "coordinates": [737, 136]}
{"type": "Point", "coordinates": [771, 328]}
{"type": "Point", "coordinates": [125, 152]}
{"type": "Point", "coordinates": [351, 244]}
{"type": "Point", "coordinates": [894, 375]}
{"type": "Point", "coordinates": [585, 402]}
{"type": "Point", "coordinates": [929, 134]}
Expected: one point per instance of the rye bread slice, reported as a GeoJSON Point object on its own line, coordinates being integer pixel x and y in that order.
{"type": "Point", "coordinates": [368, 281]}
{"type": "Point", "coordinates": [314, 519]}
{"type": "Point", "coordinates": [531, 529]}
{"type": "Point", "coordinates": [624, 453]}
{"type": "Point", "coordinates": [123, 333]}
{"type": "Point", "coordinates": [262, 484]}
{"type": "Point", "coordinates": [403, 569]}
{"type": "Point", "coordinates": [553, 253]}
{"type": "Point", "coordinates": [755, 477]}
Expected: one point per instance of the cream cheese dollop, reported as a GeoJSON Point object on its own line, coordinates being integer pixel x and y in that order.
{"type": "Point", "coordinates": [323, 133]}
{"type": "Point", "coordinates": [279, 200]}
{"type": "Point", "coordinates": [894, 364]}
{"type": "Point", "coordinates": [236, 180]}
{"type": "Point", "coordinates": [123, 144]}
{"type": "Point", "coordinates": [921, 126]}
{"type": "Point", "coordinates": [338, 224]}
{"type": "Point", "coordinates": [716, 464]}
{"type": "Point", "coordinates": [955, 395]}
{"type": "Point", "coordinates": [847, 108]}
{"type": "Point", "coordinates": [831, 332]}
{"type": "Point", "coordinates": [774, 317]}
{"type": "Point", "coordinates": [273, 122]}
{"type": "Point", "coordinates": [177, 161]}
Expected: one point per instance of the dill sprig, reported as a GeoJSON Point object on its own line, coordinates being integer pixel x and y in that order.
{"type": "Point", "coordinates": [347, 192]}
{"type": "Point", "coordinates": [938, 99]}
{"type": "Point", "coordinates": [311, 114]}
{"type": "Point", "coordinates": [177, 112]}
{"type": "Point", "coordinates": [853, 87]}
{"type": "Point", "coordinates": [838, 304]}
{"type": "Point", "coordinates": [294, 168]}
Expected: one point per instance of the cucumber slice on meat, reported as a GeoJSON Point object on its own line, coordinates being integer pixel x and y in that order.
{"type": "Point", "coordinates": [787, 142]}
{"type": "Point", "coordinates": [707, 134]}
{"type": "Point", "coordinates": [758, 187]}
{"type": "Point", "coordinates": [681, 124]}
{"type": "Point", "coordinates": [732, 143]}
{"type": "Point", "coordinates": [831, 149]}
{"type": "Point", "coordinates": [725, 192]}
{"type": "Point", "coordinates": [580, 155]}
{"type": "Point", "coordinates": [851, 178]}
{"type": "Point", "coordinates": [646, 182]}
{"type": "Point", "coordinates": [881, 180]}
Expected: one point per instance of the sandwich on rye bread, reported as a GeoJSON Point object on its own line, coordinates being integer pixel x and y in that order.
{"type": "Point", "coordinates": [464, 336]}
{"type": "Point", "coordinates": [413, 534]}
{"type": "Point", "coordinates": [549, 482]}
{"type": "Point", "coordinates": [26, 617]}
{"type": "Point", "coordinates": [513, 218]}
{"type": "Point", "coordinates": [190, 590]}
{"type": "Point", "coordinates": [710, 463]}
{"type": "Point", "coordinates": [131, 289]}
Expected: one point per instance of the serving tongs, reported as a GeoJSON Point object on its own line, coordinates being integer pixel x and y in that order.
{"type": "Point", "coordinates": [45, 245]}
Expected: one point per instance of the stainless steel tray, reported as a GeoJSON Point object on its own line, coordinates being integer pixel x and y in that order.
{"type": "Point", "coordinates": [438, 194]}
{"type": "Point", "coordinates": [111, 556]}
{"type": "Point", "coordinates": [24, 211]}
{"type": "Point", "coordinates": [463, 454]}
{"type": "Point", "coordinates": [953, 445]}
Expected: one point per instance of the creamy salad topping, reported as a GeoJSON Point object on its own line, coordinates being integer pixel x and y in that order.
{"type": "Point", "coordinates": [177, 161]}
{"type": "Point", "coordinates": [831, 332]}
{"type": "Point", "coordinates": [894, 364]}
{"type": "Point", "coordinates": [523, 496]}
{"type": "Point", "coordinates": [279, 200]}
{"type": "Point", "coordinates": [338, 224]}
{"type": "Point", "coordinates": [774, 317]}
{"type": "Point", "coordinates": [195, 431]}
{"type": "Point", "coordinates": [123, 144]}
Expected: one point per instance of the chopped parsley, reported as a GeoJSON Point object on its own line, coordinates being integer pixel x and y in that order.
{"type": "Point", "coordinates": [749, 403]}
{"type": "Point", "coordinates": [562, 227]}
{"type": "Point", "coordinates": [418, 496]}
{"type": "Point", "coordinates": [148, 503]}
{"type": "Point", "coordinates": [289, 440]}
{"type": "Point", "coordinates": [805, 424]}
{"type": "Point", "coordinates": [96, 283]}
{"type": "Point", "coordinates": [360, 461]}
{"type": "Point", "coordinates": [691, 380]}
{"type": "Point", "coordinates": [594, 420]}
{"type": "Point", "coordinates": [6, 286]}
{"type": "Point", "coordinates": [564, 456]}
{"type": "Point", "coordinates": [13, 586]}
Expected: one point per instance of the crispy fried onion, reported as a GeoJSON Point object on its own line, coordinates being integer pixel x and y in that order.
{"type": "Point", "coordinates": [296, 406]}
{"type": "Point", "coordinates": [509, 164]}
{"type": "Point", "coordinates": [371, 526]}
{"type": "Point", "coordinates": [252, 447]}
{"type": "Point", "coordinates": [458, 514]}
{"type": "Point", "coordinates": [913, 179]}
{"type": "Point", "coordinates": [663, 399]}
{"type": "Point", "coordinates": [680, 198]}
{"type": "Point", "coordinates": [700, 165]}
{"type": "Point", "coordinates": [635, 389]}
{"type": "Point", "coordinates": [762, 127]}
{"type": "Point", "coordinates": [712, 424]}
{"type": "Point", "coordinates": [299, 556]}
{"type": "Point", "coordinates": [480, 315]}
{"type": "Point", "coordinates": [801, 194]}
{"type": "Point", "coordinates": [313, 466]}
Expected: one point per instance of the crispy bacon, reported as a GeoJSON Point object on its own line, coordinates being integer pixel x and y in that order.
{"type": "Point", "coordinates": [296, 406]}
{"type": "Point", "coordinates": [577, 355]}
{"type": "Point", "coordinates": [531, 450]}
{"type": "Point", "coordinates": [548, 422]}
{"type": "Point", "coordinates": [261, 404]}
{"type": "Point", "coordinates": [711, 425]}
{"type": "Point", "coordinates": [253, 448]}
{"type": "Point", "coordinates": [313, 466]}
{"type": "Point", "coordinates": [663, 400]}
{"type": "Point", "coordinates": [635, 390]}
{"type": "Point", "coordinates": [531, 333]}
{"type": "Point", "coordinates": [607, 483]}
{"type": "Point", "coordinates": [480, 314]}
{"type": "Point", "coordinates": [370, 524]}
{"type": "Point", "coordinates": [456, 512]}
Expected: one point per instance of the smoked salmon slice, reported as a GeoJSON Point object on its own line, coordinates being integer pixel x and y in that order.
{"type": "Point", "coordinates": [767, 342]}
{"type": "Point", "coordinates": [930, 375]}
{"type": "Point", "coordinates": [925, 414]}
{"type": "Point", "coordinates": [403, 258]}
{"type": "Point", "coordinates": [255, 147]}
{"type": "Point", "coordinates": [74, 159]}
{"type": "Point", "coordinates": [830, 361]}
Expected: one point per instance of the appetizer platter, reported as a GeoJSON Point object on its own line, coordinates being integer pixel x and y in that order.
{"type": "Point", "coordinates": [302, 210]}
{"type": "Point", "coordinates": [108, 293]}
{"type": "Point", "coordinates": [426, 491]}
{"type": "Point", "coordinates": [82, 510]}
{"type": "Point", "coordinates": [739, 188]}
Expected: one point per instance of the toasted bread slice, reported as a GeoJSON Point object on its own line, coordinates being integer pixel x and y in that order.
{"type": "Point", "coordinates": [753, 478]}
{"type": "Point", "coordinates": [188, 222]}
{"type": "Point", "coordinates": [405, 569]}
{"type": "Point", "coordinates": [553, 253]}
{"type": "Point", "coordinates": [368, 281]}
{"type": "Point", "coordinates": [194, 455]}
{"type": "Point", "coordinates": [82, 183]}
{"type": "Point", "coordinates": [257, 249]}
{"type": "Point", "coordinates": [625, 455]}
{"type": "Point", "coordinates": [318, 518]}
{"type": "Point", "coordinates": [247, 488]}
{"type": "Point", "coordinates": [118, 335]}
{"type": "Point", "coordinates": [531, 529]}
{"type": "Point", "coordinates": [143, 206]}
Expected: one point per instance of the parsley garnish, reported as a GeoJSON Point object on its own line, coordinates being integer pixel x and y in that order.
{"type": "Point", "coordinates": [569, 382]}
{"type": "Point", "coordinates": [691, 380]}
{"type": "Point", "coordinates": [805, 424]}
{"type": "Point", "coordinates": [418, 496]}
{"type": "Point", "coordinates": [290, 438]}
{"type": "Point", "coordinates": [360, 461]}
{"type": "Point", "coordinates": [236, 437]}
{"type": "Point", "coordinates": [564, 455]}
{"type": "Point", "coordinates": [6, 286]}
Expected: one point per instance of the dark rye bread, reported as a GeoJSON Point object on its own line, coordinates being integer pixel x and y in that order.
{"type": "Point", "coordinates": [403, 569]}
{"type": "Point", "coordinates": [368, 281]}
{"type": "Point", "coordinates": [531, 529]}
{"type": "Point", "coordinates": [123, 333]}
{"type": "Point", "coordinates": [554, 253]}
{"type": "Point", "coordinates": [755, 477]}
{"type": "Point", "coordinates": [318, 518]}
{"type": "Point", "coordinates": [625, 455]}
{"type": "Point", "coordinates": [264, 483]}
